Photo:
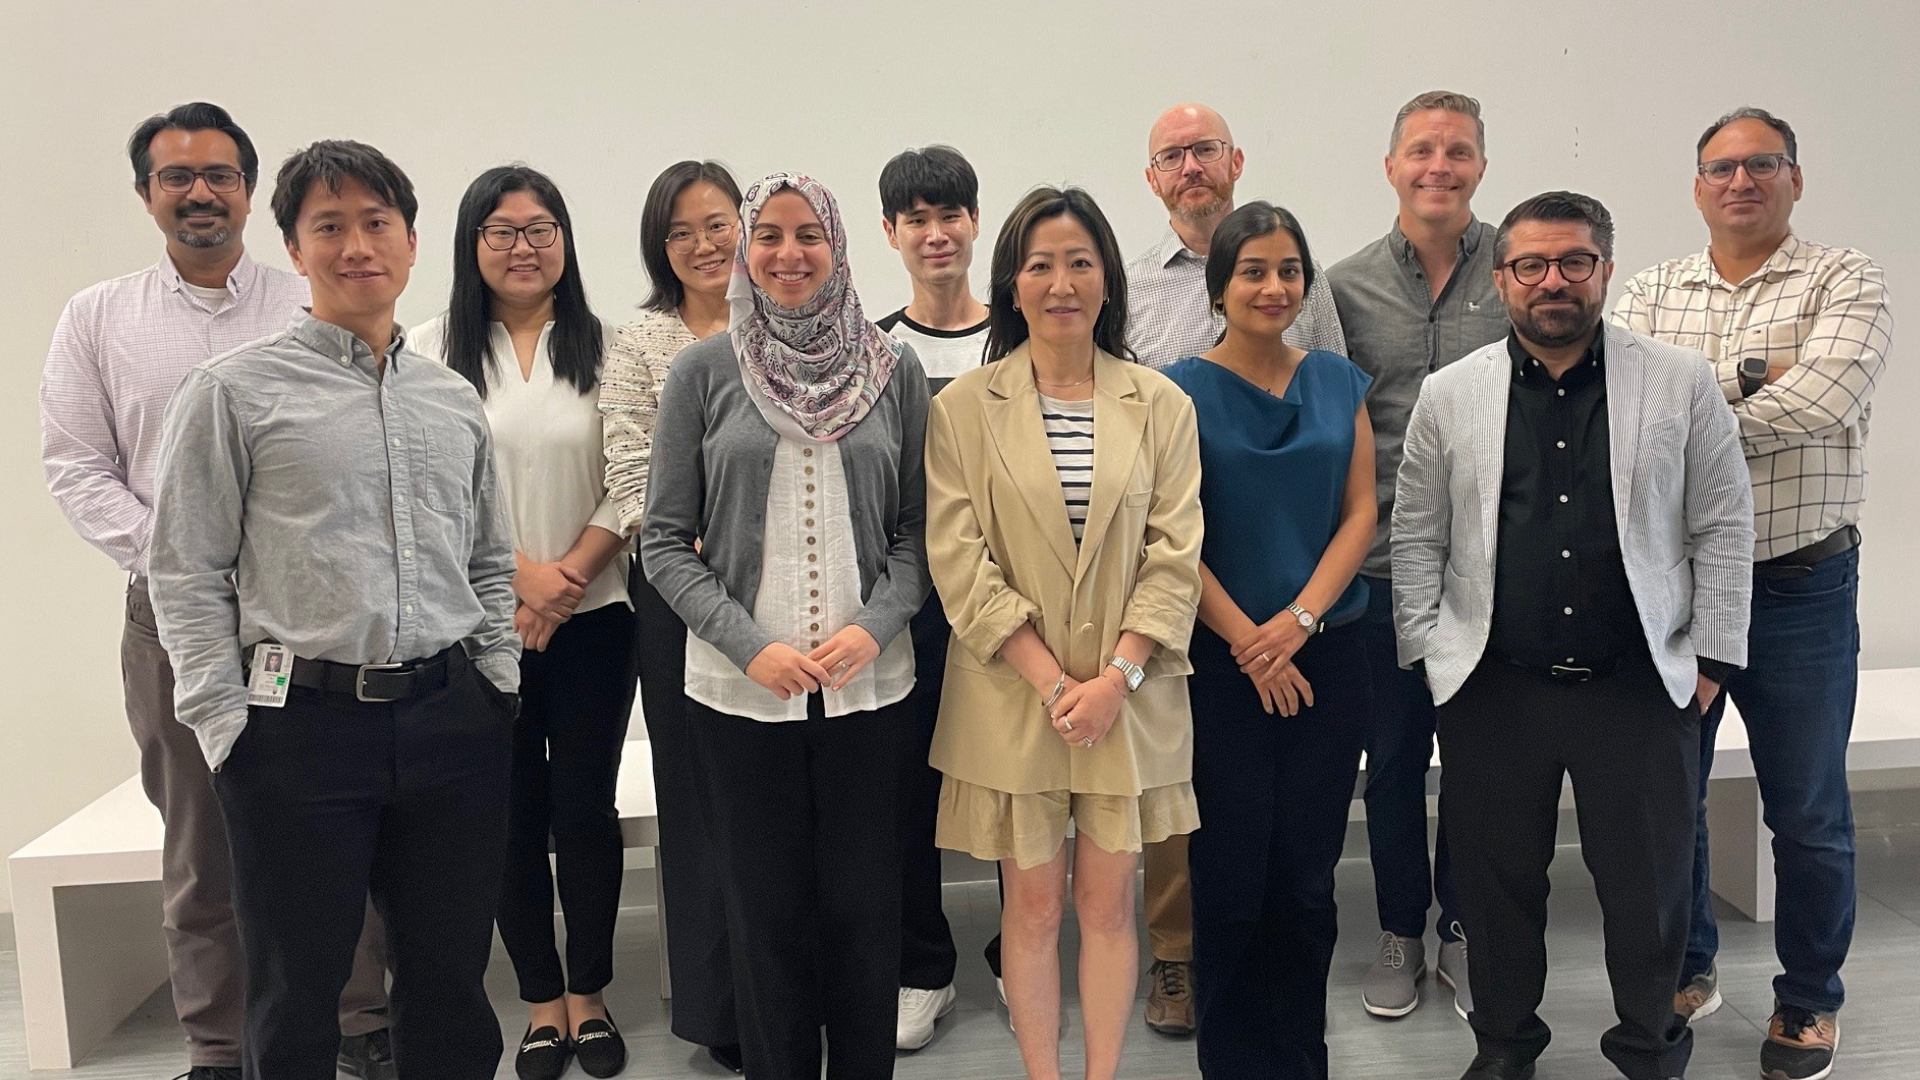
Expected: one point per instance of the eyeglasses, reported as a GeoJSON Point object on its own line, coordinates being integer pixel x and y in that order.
{"type": "Point", "coordinates": [1574, 268]}
{"type": "Point", "coordinates": [175, 181]}
{"type": "Point", "coordinates": [1719, 172]}
{"type": "Point", "coordinates": [1206, 151]}
{"type": "Point", "coordinates": [719, 234]}
{"type": "Point", "coordinates": [540, 234]}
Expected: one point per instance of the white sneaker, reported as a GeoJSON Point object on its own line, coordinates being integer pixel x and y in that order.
{"type": "Point", "coordinates": [919, 1011]}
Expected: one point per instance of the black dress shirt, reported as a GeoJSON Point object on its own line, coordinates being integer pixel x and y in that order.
{"type": "Point", "coordinates": [1560, 592]}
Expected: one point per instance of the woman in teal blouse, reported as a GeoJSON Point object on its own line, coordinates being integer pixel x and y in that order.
{"type": "Point", "coordinates": [1279, 688]}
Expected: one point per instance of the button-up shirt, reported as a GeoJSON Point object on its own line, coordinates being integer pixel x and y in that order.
{"type": "Point", "coordinates": [1819, 317]}
{"type": "Point", "coordinates": [1400, 333]}
{"type": "Point", "coordinates": [1169, 317]}
{"type": "Point", "coordinates": [307, 497]}
{"type": "Point", "coordinates": [1560, 592]}
{"type": "Point", "coordinates": [119, 351]}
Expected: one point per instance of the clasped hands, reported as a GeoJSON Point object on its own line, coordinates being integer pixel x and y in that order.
{"type": "Point", "coordinates": [547, 593]}
{"type": "Point", "coordinates": [787, 671]}
{"type": "Point", "coordinates": [1085, 711]}
{"type": "Point", "coordinates": [1266, 657]}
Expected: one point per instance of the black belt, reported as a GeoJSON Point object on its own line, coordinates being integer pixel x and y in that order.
{"type": "Point", "coordinates": [1800, 563]}
{"type": "Point", "coordinates": [373, 682]}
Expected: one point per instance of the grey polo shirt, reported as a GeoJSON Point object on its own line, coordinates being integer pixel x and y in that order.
{"type": "Point", "coordinates": [1399, 334]}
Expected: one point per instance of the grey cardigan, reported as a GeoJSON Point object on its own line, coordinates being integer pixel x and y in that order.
{"type": "Point", "coordinates": [712, 459]}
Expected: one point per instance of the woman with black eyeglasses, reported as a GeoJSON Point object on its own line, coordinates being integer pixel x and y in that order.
{"type": "Point", "coordinates": [518, 327]}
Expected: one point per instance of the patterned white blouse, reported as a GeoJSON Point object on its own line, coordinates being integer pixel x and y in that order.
{"type": "Point", "coordinates": [636, 367]}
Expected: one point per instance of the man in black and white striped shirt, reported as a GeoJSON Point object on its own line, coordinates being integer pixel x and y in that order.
{"type": "Point", "coordinates": [1798, 334]}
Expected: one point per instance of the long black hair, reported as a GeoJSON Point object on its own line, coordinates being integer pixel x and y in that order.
{"type": "Point", "coordinates": [575, 343]}
{"type": "Point", "coordinates": [1006, 326]}
{"type": "Point", "coordinates": [656, 220]}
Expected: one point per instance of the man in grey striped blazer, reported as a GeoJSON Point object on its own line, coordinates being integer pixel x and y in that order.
{"type": "Point", "coordinates": [1572, 563]}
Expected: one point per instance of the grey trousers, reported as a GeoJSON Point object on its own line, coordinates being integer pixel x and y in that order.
{"type": "Point", "coordinates": [196, 873]}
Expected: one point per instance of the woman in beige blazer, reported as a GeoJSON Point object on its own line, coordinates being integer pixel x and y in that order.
{"type": "Point", "coordinates": [1064, 537]}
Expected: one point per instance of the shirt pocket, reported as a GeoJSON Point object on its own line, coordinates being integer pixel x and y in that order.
{"type": "Point", "coordinates": [445, 478]}
{"type": "Point", "coordinates": [1777, 342]}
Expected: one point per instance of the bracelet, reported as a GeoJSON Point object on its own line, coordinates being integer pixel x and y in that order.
{"type": "Point", "coordinates": [1059, 687]}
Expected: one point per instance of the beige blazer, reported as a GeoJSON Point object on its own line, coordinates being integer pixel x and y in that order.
{"type": "Point", "coordinates": [1002, 553]}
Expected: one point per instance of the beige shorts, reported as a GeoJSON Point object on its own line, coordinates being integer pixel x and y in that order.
{"type": "Point", "coordinates": [1029, 829]}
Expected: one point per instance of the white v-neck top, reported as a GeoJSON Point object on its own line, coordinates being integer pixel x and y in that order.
{"type": "Point", "coordinates": [549, 453]}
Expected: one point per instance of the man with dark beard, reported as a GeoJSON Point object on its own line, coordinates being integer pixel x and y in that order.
{"type": "Point", "coordinates": [1571, 567]}
{"type": "Point", "coordinates": [120, 349]}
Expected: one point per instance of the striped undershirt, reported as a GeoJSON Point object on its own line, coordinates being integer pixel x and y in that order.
{"type": "Point", "coordinates": [1069, 427]}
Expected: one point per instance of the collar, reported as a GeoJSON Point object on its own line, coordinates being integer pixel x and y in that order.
{"type": "Point", "coordinates": [1469, 240]}
{"type": "Point", "coordinates": [1529, 372]}
{"type": "Point", "coordinates": [239, 280]}
{"type": "Point", "coordinates": [1172, 247]}
{"type": "Point", "coordinates": [1699, 269]}
{"type": "Point", "coordinates": [1013, 375]}
{"type": "Point", "coordinates": [337, 343]}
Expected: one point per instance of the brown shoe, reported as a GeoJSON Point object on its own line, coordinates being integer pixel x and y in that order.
{"type": "Point", "coordinates": [1700, 998]}
{"type": "Point", "coordinates": [1170, 997]}
{"type": "Point", "coordinates": [1800, 1044]}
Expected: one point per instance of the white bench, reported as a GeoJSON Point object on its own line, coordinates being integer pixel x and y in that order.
{"type": "Point", "coordinates": [86, 905]}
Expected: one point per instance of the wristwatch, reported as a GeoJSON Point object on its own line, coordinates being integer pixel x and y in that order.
{"type": "Point", "coordinates": [1134, 673]}
{"type": "Point", "coordinates": [1305, 618]}
{"type": "Point", "coordinates": [1753, 375]}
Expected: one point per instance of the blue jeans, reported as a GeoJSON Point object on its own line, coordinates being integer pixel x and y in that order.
{"type": "Point", "coordinates": [1796, 696]}
{"type": "Point", "coordinates": [1399, 752]}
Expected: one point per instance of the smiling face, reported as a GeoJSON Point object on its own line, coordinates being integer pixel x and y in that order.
{"type": "Point", "coordinates": [1436, 167]}
{"type": "Point", "coordinates": [198, 217]}
{"type": "Point", "coordinates": [1062, 284]}
{"type": "Point", "coordinates": [790, 255]}
{"type": "Point", "coordinates": [1743, 207]}
{"type": "Point", "coordinates": [935, 242]}
{"type": "Point", "coordinates": [1554, 312]}
{"type": "Point", "coordinates": [699, 211]}
{"type": "Point", "coordinates": [355, 251]}
{"type": "Point", "coordinates": [1262, 298]}
{"type": "Point", "coordinates": [522, 275]}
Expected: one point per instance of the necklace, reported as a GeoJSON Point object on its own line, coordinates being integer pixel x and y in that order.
{"type": "Point", "coordinates": [1062, 385]}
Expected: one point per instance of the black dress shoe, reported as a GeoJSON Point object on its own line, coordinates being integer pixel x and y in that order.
{"type": "Point", "coordinates": [369, 1056]}
{"type": "Point", "coordinates": [543, 1054]}
{"type": "Point", "coordinates": [728, 1056]}
{"type": "Point", "coordinates": [1490, 1067]}
{"type": "Point", "coordinates": [601, 1050]}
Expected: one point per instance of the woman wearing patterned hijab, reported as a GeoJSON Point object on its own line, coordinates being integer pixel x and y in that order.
{"type": "Point", "coordinates": [790, 449]}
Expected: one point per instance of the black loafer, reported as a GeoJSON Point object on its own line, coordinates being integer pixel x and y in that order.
{"type": "Point", "coordinates": [543, 1054]}
{"type": "Point", "coordinates": [1492, 1067]}
{"type": "Point", "coordinates": [728, 1057]}
{"type": "Point", "coordinates": [601, 1050]}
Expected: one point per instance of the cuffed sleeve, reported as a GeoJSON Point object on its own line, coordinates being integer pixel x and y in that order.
{"type": "Point", "coordinates": [1166, 592]}
{"type": "Point", "coordinates": [983, 609]}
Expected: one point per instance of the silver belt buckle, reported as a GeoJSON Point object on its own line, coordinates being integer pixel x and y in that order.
{"type": "Point", "coordinates": [360, 681]}
{"type": "Point", "coordinates": [1571, 674]}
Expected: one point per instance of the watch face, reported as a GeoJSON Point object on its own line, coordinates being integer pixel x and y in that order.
{"type": "Point", "coordinates": [1304, 619]}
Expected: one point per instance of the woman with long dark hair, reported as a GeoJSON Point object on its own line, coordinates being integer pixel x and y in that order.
{"type": "Point", "coordinates": [1064, 535]}
{"type": "Point", "coordinates": [519, 328]}
{"type": "Point", "coordinates": [688, 226]}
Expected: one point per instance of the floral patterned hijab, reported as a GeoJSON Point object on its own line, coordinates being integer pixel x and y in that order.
{"type": "Point", "coordinates": [816, 369]}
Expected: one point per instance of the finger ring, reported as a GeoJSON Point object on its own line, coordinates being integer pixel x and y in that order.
{"type": "Point", "coordinates": [1264, 656]}
{"type": "Point", "coordinates": [1088, 741]}
{"type": "Point", "coordinates": [1067, 724]}
{"type": "Point", "coordinates": [840, 665]}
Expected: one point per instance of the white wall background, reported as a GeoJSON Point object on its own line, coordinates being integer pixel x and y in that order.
{"type": "Point", "coordinates": [1603, 98]}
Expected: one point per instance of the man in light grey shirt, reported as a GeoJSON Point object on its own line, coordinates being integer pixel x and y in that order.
{"type": "Point", "coordinates": [327, 496]}
{"type": "Point", "coordinates": [1192, 165]}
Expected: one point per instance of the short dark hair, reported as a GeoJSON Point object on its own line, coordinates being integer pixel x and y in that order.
{"type": "Point", "coordinates": [1750, 112]}
{"type": "Point", "coordinates": [1559, 206]}
{"type": "Point", "coordinates": [1006, 326]}
{"type": "Point", "coordinates": [1250, 222]}
{"type": "Point", "coordinates": [573, 344]}
{"type": "Point", "coordinates": [656, 219]}
{"type": "Point", "coordinates": [193, 116]}
{"type": "Point", "coordinates": [333, 162]}
{"type": "Point", "coordinates": [936, 175]}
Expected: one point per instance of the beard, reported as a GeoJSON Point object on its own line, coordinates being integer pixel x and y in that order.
{"type": "Point", "coordinates": [1556, 329]}
{"type": "Point", "coordinates": [214, 237]}
{"type": "Point", "coordinates": [1217, 206]}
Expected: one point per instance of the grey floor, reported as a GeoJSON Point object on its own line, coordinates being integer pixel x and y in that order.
{"type": "Point", "coordinates": [1880, 1026]}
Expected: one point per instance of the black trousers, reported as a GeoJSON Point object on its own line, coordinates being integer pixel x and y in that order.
{"type": "Point", "coordinates": [803, 815]}
{"type": "Point", "coordinates": [575, 700]}
{"type": "Point", "coordinates": [927, 954]}
{"type": "Point", "coordinates": [329, 800]}
{"type": "Point", "coordinates": [703, 1001]}
{"type": "Point", "coordinates": [1274, 793]}
{"type": "Point", "coordinates": [1506, 740]}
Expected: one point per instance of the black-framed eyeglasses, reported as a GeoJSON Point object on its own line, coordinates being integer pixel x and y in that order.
{"type": "Point", "coordinates": [1206, 152]}
{"type": "Point", "coordinates": [1532, 269]}
{"type": "Point", "coordinates": [540, 234]}
{"type": "Point", "coordinates": [1719, 172]}
{"type": "Point", "coordinates": [176, 181]}
{"type": "Point", "coordinates": [719, 234]}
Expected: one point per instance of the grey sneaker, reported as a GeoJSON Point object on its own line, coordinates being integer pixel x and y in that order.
{"type": "Point", "coordinates": [1700, 998]}
{"type": "Point", "coordinates": [1453, 971]}
{"type": "Point", "coordinates": [1392, 984]}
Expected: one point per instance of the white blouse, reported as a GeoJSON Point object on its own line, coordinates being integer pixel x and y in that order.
{"type": "Point", "coordinates": [549, 453]}
{"type": "Point", "coordinates": [809, 590]}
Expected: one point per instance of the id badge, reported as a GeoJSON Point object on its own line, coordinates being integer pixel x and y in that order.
{"type": "Point", "coordinates": [272, 674]}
